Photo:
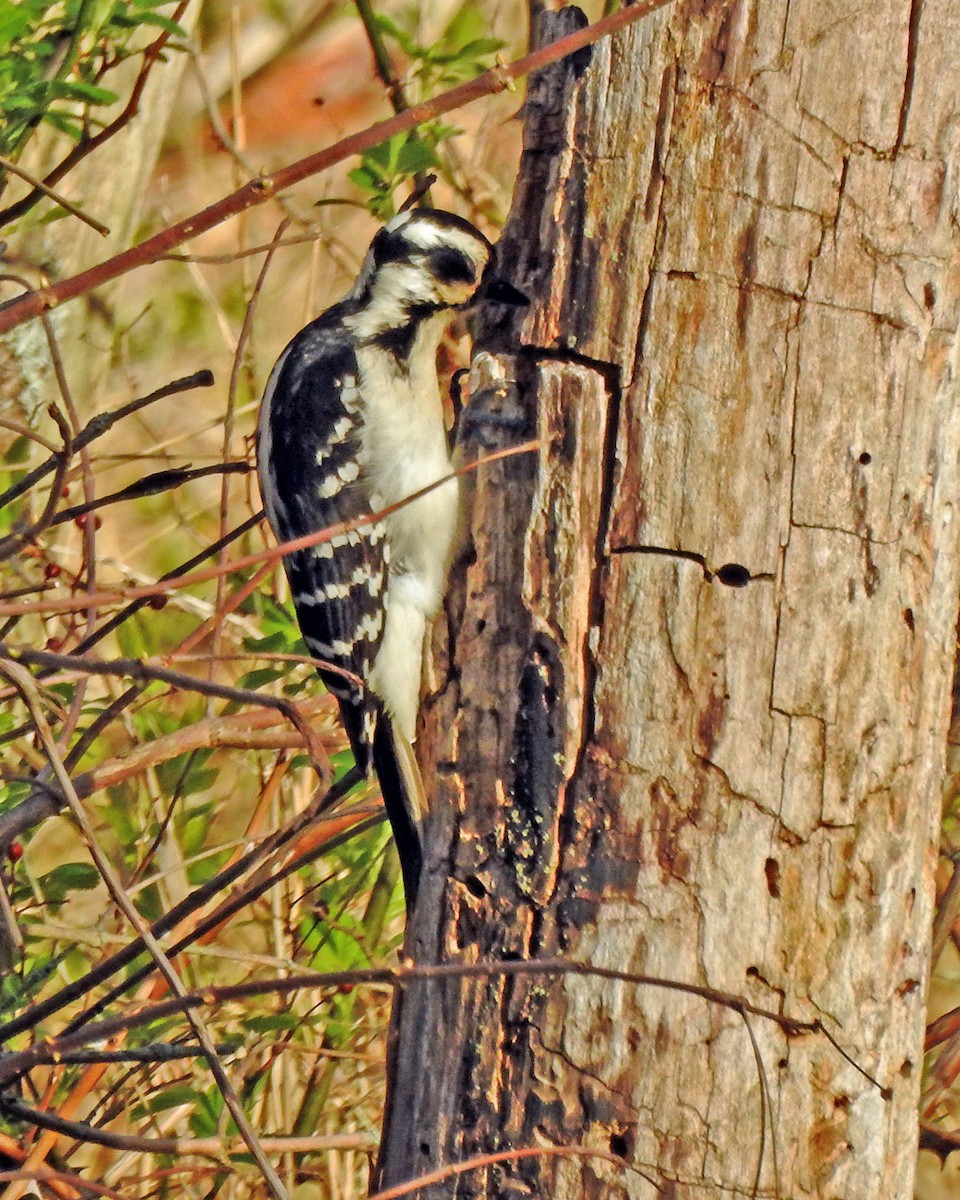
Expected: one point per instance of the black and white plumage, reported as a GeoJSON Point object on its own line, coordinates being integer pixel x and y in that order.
{"type": "Point", "coordinates": [352, 422]}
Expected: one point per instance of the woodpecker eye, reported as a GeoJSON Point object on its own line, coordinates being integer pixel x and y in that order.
{"type": "Point", "coordinates": [451, 266]}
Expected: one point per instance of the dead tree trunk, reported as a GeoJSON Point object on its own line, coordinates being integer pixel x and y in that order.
{"type": "Point", "coordinates": [695, 687]}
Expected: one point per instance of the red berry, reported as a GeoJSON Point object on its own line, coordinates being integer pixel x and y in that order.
{"type": "Point", "coordinates": [52, 570]}
{"type": "Point", "coordinates": [15, 851]}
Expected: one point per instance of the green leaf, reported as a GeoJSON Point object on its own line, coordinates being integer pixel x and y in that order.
{"type": "Point", "coordinates": [76, 89]}
{"type": "Point", "coordinates": [273, 1022]}
{"type": "Point", "coordinates": [406, 43]}
{"type": "Point", "coordinates": [365, 179]}
{"type": "Point", "coordinates": [173, 1096]}
{"type": "Point", "coordinates": [64, 124]}
{"type": "Point", "coordinates": [256, 679]}
{"type": "Point", "coordinates": [162, 22]}
{"type": "Point", "coordinates": [273, 642]}
{"type": "Point", "coordinates": [205, 1119]}
{"type": "Point", "coordinates": [416, 156]}
{"type": "Point", "coordinates": [56, 885]}
{"type": "Point", "coordinates": [480, 47]}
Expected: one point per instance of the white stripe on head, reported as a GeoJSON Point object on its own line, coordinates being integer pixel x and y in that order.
{"type": "Point", "coordinates": [426, 234]}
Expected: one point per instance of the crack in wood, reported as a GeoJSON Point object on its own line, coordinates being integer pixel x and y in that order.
{"type": "Point", "coordinates": [731, 574]}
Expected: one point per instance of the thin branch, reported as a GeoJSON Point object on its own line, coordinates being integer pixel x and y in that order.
{"type": "Point", "coordinates": [54, 1178]}
{"type": "Point", "coordinates": [155, 1052]}
{"type": "Point", "coordinates": [132, 668]}
{"type": "Point", "coordinates": [44, 801]}
{"type": "Point", "coordinates": [229, 415]}
{"type": "Point", "coordinates": [38, 185]}
{"type": "Point", "coordinates": [14, 541]}
{"type": "Point", "coordinates": [274, 554]}
{"type": "Point", "coordinates": [942, 1029]}
{"type": "Point", "coordinates": [452, 1170]}
{"type": "Point", "coordinates": [27, 687]}
{"type": "Point", "coordinates": [99, 425]}
{"type": "Point", "coordinates": [259, 190]}
{"type": "Point", "coordinates": [152, 485]}
{"type": "Point", "coordinates": [349, 825]}
{"type": "Point", "coordinates": [381, 56]}
{"type": "Point", "coordinates": [25, 431]}
{"type": "Point", "coordinates": [190, 904]}
{"type": "Point", "coordinates": [174, 573]}
{"type": "Point", "coordinates": [245, 730]}
{"type": "Point", "coordinates": [16, 1063]}
{"type": "Point", "coordinates": [227, 260]}
{"type": "Point", "coordinates": [766, 1115]}
{"type": "Point", "coordinates": [88, 145]}
{"type": "Point", "coordinates": [215, 1147]}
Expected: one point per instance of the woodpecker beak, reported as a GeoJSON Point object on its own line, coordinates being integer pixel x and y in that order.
{"type": "Point", "coordinates": [498, 291]}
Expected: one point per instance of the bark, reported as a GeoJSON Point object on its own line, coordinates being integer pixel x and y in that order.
{"type": "Point", "coordinates": [694, 683]}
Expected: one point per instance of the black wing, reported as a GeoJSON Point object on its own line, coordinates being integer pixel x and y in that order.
{"type": "Point", "coordinates": [307, 460]}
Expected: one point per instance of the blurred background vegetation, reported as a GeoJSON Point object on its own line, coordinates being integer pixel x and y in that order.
{"type": "Point", "coordinates": [136, 115]}
{"type": "Point", "coordinates": [180, 784]}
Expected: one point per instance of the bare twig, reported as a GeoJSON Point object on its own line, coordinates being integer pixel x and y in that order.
{"type": "Point", "coordinates": [38, 185]}
{"type": "Point", "coordinates": [14, 541]}
{"type": "Point", "coordinates": [27, 687]}
{"type": "Point", "coordinates": [228, 419]}
{"type": "Point", "coordinates": [152, 485]}
{"type": "Point", "coordinates": [381, 56]}
{"type": "Point", "coordinates": [246, 730]}
{"type": "Point", "coordinates": [215, 1147]}
{"type": "Point", "coordinates": [88, 145]}
{"type": "Point", "coordinates": [132, 668]}
{"type": "Point", "coordinates": [348, 825]}
{"type": "Point", "coordinates": [15, 1063]}
{"type": "Point", "coordinates": [948, 912]}
{"type": "Point", "coordinates": [175, 573]}
{"type": "Point", "coordinates": [170, 584]}
{"type": "Point", "coordinates": [99, 425]}
{"type": "Point", "coordinates": [259, 190]}
{"type": "Point", "coordinates": [452, 1170]}
{"type": "Point", "coordinates": [25, 431]}
{"type": "Point", "coordinates": [56, 1179]}
{"type": "Point", "coordinates": [190, 904]}
{"type": "Point", "coordinates": [227, 260]}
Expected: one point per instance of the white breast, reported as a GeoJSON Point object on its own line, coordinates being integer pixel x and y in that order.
{"type": "Point", "coordinates": [403, 449]}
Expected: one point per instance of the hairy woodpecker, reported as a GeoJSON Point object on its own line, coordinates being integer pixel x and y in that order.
{"type": "Point", "coordinates": [351, 423]}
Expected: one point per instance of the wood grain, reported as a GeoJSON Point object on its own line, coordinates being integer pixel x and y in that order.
{"type": "Point", "coordinates": [738, 222]}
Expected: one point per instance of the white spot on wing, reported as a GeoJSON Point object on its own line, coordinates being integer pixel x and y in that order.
{"type": "Point", "coordinates": [329, 486]}
{"type": "Point", "coordinates": [371, 626]}
{"type": "Point", "coordinates": [350, 394]}
{"type": "Point", "coordinates": [349, 471]}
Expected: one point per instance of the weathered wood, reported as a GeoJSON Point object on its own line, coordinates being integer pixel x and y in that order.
{"type": "Point", "coordinates": [738, 224]}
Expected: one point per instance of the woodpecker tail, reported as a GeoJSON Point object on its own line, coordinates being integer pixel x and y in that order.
{"type": "Point", "coordinates": [404, 798]}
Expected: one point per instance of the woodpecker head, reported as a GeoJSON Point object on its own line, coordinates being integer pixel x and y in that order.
{"type": "Point", "coordinates": [425, 262]}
